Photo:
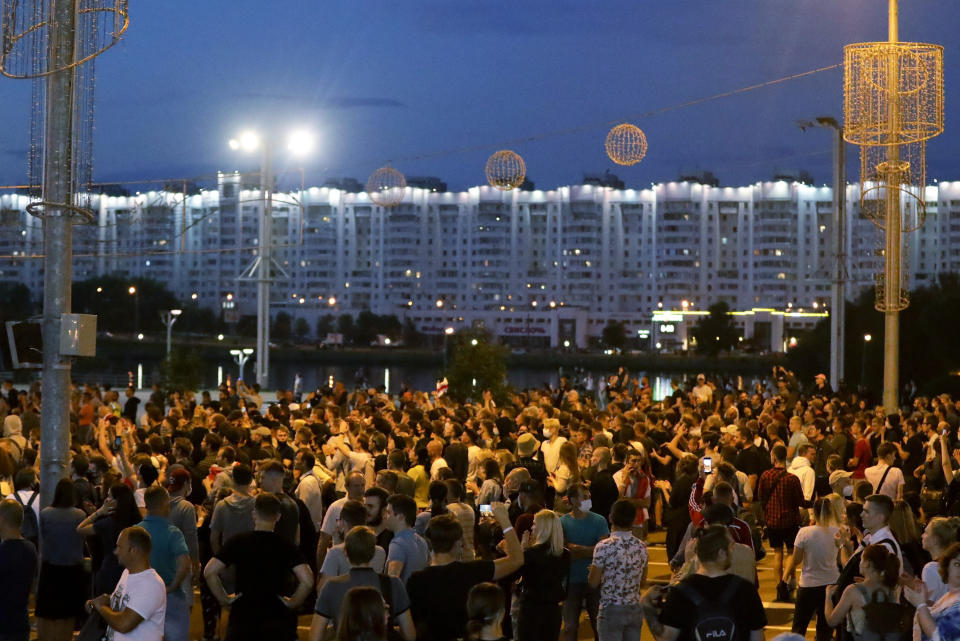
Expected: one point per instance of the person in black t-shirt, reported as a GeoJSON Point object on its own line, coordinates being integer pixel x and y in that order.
{"type": "Point", "coordinates": [263, 561]}
{"type": "Point", "coordinates": [687, 606]}
{"type": "Point", "coordinates": [18, 565]}
{"type": "Point", "coordinates": [438, 593]}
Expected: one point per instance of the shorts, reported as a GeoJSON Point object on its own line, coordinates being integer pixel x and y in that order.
{"type": "Point", "coordinates": [782, 536]}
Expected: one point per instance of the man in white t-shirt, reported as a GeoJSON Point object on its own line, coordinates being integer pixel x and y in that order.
{"type": "Point", "coordinates": [136, 609]}
{"type": "Point", "coordinates": [883, 477]}
{"type": "Point", "coordinates": [551, 444]}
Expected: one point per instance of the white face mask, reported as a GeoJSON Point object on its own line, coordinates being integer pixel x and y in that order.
{"type": "Point", "coordinates": [548, 433]}
{"type": "Point", "coordinates": [585, 505]}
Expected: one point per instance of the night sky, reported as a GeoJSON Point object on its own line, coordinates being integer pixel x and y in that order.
{"type": "Point", "coordinates": [387, 81]}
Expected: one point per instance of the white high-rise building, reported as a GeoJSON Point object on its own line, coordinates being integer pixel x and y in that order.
{"type": "Point", "coordinates": [544, 266]}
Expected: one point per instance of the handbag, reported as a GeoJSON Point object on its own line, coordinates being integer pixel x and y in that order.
{"type": "Point", "coordinates": [94, 629]}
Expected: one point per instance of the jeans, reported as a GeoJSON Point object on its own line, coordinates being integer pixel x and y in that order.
{"type": "Point", "coordinates": [176, 622]}
{"type": "Point", "coordinates": [620, 622]}
{"type": "Point", "coordinates": [577, 593]}
{"type": "Point", "coordinates": [810, 601]}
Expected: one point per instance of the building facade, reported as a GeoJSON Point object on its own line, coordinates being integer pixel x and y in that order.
{"type": "Point", "coordinates": [540, 267]}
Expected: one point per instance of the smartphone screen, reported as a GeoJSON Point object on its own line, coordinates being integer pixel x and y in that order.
{"type": "Point", "coordinates": [707, 465]}
{"type": "Point", "coordinates": [486, 510]}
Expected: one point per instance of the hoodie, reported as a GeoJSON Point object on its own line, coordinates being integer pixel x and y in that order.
{"type": "Point", "coordinates": [231, 516]}
{"type": "Point", "coordinates": [13, 431]}
{"type": "Point", "coordinates": [801, 468]}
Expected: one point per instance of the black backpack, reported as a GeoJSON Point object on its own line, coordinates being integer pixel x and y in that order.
{"type": "Point", "coordinates": [713, 617]}
{"type": "Point", "coordinates": [29, 529]}
{"type": "Point", "coordinates": [885, 619]}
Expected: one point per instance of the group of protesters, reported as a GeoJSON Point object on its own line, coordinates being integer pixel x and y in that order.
{"type": "Point", "coordinates": [417, 516]}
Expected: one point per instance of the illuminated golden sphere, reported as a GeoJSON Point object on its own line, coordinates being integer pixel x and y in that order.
{"type": "Point", "coordinates": [505, 170]}
{"type": "Point", "coordinates": [386, 187]}
{"type": "Point", "coordinates": [626, 144]}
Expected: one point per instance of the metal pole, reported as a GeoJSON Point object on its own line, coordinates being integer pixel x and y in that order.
{"type": "Point", "coordinates": [168, 319]}
{"type": "Point", "coordinates": [838, 295]}
{"type": "Point", "coordinates": [263, 275]}
{"type": "Point", "coordinates": [892, 240]}
{"type": "Point", "coordinates": [58, 248]}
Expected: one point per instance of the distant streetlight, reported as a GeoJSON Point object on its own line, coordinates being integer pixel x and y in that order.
{"type": "Point", "coordinates": [439, 304]}
{"type": "Point", "coordinates": [473, 342]}
{"type": "Point", "coordinates": [169, 318]}
{"type": "Point", "coordinates": [219, 337]}
{"type": "Point", "coordinates": [332, 301]}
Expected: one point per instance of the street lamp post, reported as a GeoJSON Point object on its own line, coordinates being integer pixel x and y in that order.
{"type": "Point", "coordinates": [837, 292]}
{"type": "Point", "coordinates": [133, 291]}
{"type": "Point", "coordinates": [169, 318]}
{"type": "Point", "coordinates": [261, 268]}
{"type": "Point", "coordinates": [240, 357]}
{"type": "Point", "coordinates": [447, 332]}
{"type": "Point", "coordinates": [863, 360]}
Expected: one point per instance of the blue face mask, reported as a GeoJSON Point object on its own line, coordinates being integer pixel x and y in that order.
{"type": "Point", "coordinates": [585, 505]}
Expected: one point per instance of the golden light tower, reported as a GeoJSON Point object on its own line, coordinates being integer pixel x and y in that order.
{"type": "Point", "coordinates": [505, 170]}
{"type": "Point", "coordinates": [386, 186]}
{"type": "Point", "coordinates": [626, 144]}
{"type": "Point", "coordinates": [893, 104]}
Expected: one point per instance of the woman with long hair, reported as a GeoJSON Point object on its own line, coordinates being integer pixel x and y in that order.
{"type": "Point", "coordinates": [118, 512]}
{"type": "Point", "coordinates": [62, 588]}
{"type": "Point", "coordinates": [437, 495]}
{"type": "Point", "coordinates": [543, 580]}
{"type": "Point", "coordinates": [486, 607]}
{"type": "Point", "coordinates": [941, 532]}
{"type": "Point", "coordinates": [904, 527]}
{"type": "Point", "coordinates": [363, 616]}
{"type": "Point", "coordinates": [880, 569]}
{"type": "Point", "coordinates": [568, 469]}
{"type": "Point", "coordinates": [815, 551]}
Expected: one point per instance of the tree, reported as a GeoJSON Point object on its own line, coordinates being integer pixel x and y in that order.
{"type": "Point", "coordinates": [716, 332]}
{"type": "Point", "coordinates": [474, 368]}
{"type": "Point", "coordinates": [614, 335]}
{"type": "Point", "coordinates": [120, 311]}
{"type": "Point", "coordinates": [345, 327]}
{"type": "Point", "coordinates": [182, 371]}
{"type": "Point", "coordinates": [325, 325]}
{"type": "Point", "coordinates": [412, 337]}
{"type": "Point", "coordinates": [281, 327]}
{"type": "Point", "coordinates": [301, 328]}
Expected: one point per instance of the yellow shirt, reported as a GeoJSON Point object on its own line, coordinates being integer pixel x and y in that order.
{"type": "Point", "coordinates": [421, 484]}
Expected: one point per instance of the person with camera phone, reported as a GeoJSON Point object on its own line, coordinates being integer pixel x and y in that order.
{"type": "Point", "coordinates": [711, 604]}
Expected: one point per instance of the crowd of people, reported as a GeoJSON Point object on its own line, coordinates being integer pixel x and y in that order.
{"type": "Point", "coordinates": [414, 516]}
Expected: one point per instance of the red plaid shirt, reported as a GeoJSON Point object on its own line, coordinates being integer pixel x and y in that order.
{"type": "Point", "coordinates": [781, 496]}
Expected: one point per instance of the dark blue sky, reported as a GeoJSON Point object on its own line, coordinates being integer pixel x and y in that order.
{"type": "Point", "coordinates": [381, 80]}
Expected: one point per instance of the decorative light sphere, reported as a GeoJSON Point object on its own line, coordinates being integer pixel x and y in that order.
{"type": "Point", "coordinates": [626, 144]}
{"type": "Point", "coordinates": [505, 170]}
{"type": "Point", "coordinates": [386, 187]}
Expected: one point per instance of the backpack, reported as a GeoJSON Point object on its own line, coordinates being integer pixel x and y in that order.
{"type": "Point", "coordinates": [29, 529]}
{"type": "Point", "coordinates": [885, 619]}
{"type": "Point", "coordinates": [712, 619]}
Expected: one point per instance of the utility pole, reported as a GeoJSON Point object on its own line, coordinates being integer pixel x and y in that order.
{"type": "Point", "coordinates": [266, 262]}
{"type": "Point", "coordinates": [892, 236]}
{"type": "Point", "coordinates": [58, 245]}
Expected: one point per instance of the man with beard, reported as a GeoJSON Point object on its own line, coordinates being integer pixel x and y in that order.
{"type": "Point", "coordinates": [709, 604]}
{"type": "Point", "coordinates": [309, 487]}
{"type": "Point", "coordinates": [374, 500]}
